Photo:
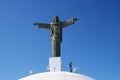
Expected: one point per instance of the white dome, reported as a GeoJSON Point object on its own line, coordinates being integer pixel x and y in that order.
{"type": "Point", "coordinates": [57, 76]}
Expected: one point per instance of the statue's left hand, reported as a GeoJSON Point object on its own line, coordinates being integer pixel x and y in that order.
{"type": "Point", "coordinates": [75, 19]}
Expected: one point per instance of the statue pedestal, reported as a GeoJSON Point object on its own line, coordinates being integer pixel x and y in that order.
{"type": "Point", "coordinates": [55, 64]}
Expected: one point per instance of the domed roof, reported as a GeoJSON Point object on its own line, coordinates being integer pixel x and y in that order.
{"type": "Point", "coordinates": [57, 76]}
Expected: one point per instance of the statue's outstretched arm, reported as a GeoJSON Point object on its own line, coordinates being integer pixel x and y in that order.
{"type": "Point", "coordinates": [69, 22]}
{"type": "Point", "coordinates": [42, 25]}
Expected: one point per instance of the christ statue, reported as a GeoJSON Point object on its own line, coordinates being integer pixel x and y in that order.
{"type": "Point", "coordinates": [56, 32]}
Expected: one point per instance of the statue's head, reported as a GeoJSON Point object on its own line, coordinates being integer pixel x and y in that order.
{"type": "Point", "coordinates": [56, 19]}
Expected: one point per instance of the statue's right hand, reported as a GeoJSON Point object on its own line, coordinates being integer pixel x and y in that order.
{"type": "Point", "coordinates": [35, 23]}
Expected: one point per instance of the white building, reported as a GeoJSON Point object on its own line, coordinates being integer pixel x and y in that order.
{"type": "Point", "coordinates": [55, 73]}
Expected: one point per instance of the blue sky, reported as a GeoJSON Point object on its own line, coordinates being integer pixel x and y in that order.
{"type": "Point", "coordinates": [92, 43]}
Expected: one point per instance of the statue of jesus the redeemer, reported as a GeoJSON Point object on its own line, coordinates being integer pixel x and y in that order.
{"type": "Point", "coordinates": [56, 32]}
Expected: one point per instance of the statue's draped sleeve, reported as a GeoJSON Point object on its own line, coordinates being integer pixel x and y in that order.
{"type": "Point", "coordinates": [43, 25]}
{"type": "Point", "coordinates": [67, 23]}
